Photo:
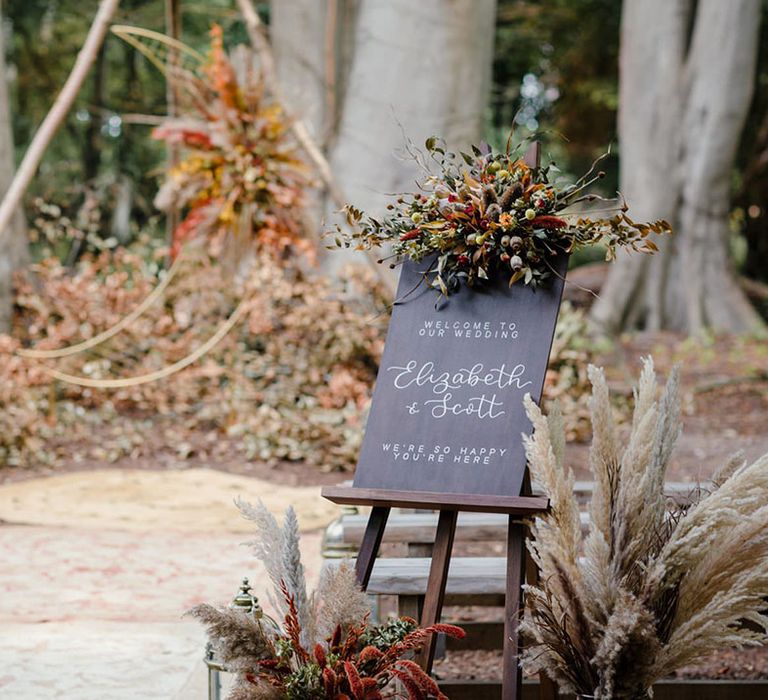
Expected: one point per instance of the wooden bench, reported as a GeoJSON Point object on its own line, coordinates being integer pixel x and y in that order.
{"type": "Point", "coordinates": [419, 528]}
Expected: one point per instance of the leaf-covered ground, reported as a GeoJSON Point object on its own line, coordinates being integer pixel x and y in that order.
{"type": "Point", "coordinates": [725, 392]}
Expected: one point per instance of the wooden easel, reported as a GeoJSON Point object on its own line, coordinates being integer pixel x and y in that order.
{"type": "Point", "coordinates": [449, 505]}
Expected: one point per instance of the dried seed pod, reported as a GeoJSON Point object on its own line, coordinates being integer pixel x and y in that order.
{"type": "Point", "coordinates": [516, 263]}
{"type": "Point", "coordinates": [489, 195]}
{"type": "Point", "coordinates": [505, 241]}
{"type": "Point", "coordinates": [515, 242]}
{"type": "Point", "coordinates": [493, 212]}
{"type": "Point", "coordinates": [510, 195]}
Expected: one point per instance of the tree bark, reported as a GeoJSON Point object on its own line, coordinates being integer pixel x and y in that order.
{"type": "Point", "coordinates": [297, 33]}
{"type": "Point", "coordinates": [418, 69]}
{"type": "Point", "coordinates": [687, 72]}
{"type": "Point", "coordinates": [14, 247]}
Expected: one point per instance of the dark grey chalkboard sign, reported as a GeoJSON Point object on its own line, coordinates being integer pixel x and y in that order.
{"type": "Point", "coordinates": [447, 412]}
{"type": "Point", "coordinates": [445, 425]}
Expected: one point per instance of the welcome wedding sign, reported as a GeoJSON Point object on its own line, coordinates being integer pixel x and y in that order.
{"type": "Point", "coordinates": [447, 413]}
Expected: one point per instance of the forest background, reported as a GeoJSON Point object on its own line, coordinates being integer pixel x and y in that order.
{"type": "Point", "coordinates": [97, 243]}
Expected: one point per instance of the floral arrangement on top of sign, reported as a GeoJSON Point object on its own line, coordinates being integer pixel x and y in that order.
{"type": "Point", "coordinates": [487, 212]}
{"type": "Point", "coordinates": [654, 585]}
{"type": "Point", "coordinates": [326, 647]}
{"type": "Point", "coordinates": [240, 176]}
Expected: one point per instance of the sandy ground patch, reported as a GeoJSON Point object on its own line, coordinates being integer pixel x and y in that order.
{"type": "Point", "coordinates": [199, 500]}
{"type": "Point", "coordinates": [94, 585]}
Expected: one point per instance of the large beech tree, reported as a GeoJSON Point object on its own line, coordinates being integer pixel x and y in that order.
{"type": "Point", "coordinates": [687, 72]}
{"type": "Point", "coordinates": [384, 71]}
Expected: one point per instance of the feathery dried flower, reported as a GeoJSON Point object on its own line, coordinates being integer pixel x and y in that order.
{"type": "Point", "coordinates": [326, 647]}
{"type": "Point", "coordinates": [653, 589]}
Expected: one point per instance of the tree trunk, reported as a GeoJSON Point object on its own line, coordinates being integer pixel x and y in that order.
{"type": "Point", "coordinates": [14, 252]}
{"type": "Point", "coordinates": [297, 31]}
{"type": "Point", "coordinates": [418, 69]}
{"type": "Point", "coordinates": [686, 78]}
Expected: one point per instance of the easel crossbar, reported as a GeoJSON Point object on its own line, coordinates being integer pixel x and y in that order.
{"type": "Point", "coordinates": [473, 503]}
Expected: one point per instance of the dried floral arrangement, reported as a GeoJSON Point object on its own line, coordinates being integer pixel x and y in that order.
{"type": "Point", "coordinates": [482, 214]}
{"type": "Point", "coordinates": [650, 588]}
{"type": "Point", "coordinates": [240, 179]}
{"type": "Point", "coordinates": [326, 647]}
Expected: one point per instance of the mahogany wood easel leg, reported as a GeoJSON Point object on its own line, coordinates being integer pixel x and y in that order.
{"type": "Point", "coordinates": [438, 577]}
{"type": "Point", "coordinates": [512, 675]}
{"type": "Point", "coordinates": [369, 548]}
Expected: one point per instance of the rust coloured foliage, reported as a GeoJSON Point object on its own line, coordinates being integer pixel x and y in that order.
{"type": "Point", "coordinates": [290, 383]}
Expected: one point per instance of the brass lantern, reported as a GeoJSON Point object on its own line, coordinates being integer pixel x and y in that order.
{"type": "Point", "coordinates": [247, 602]}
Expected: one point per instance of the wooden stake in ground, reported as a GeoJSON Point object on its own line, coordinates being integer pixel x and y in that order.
{"type": "Point", "coordinates": [57, 113]}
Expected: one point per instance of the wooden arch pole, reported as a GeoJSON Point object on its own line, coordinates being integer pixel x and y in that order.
{"type": "Point", "coordinates": [58, 112]}
{"type": "Point", "coordinates": [173, 30]}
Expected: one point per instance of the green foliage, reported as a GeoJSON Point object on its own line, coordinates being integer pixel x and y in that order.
{"type": "Point", "coordinates": [390, 632]}
{"type": "Point", "coordinates": [571, 47]}
{"type": "Point", "coordinates": [305, 683]}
